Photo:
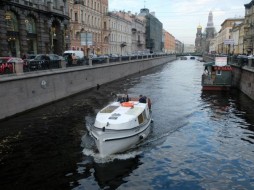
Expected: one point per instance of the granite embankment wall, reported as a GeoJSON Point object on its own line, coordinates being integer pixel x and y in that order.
{"type": "Point", "coordinates": [26, 91]}
{"type": "Point", "coordinates": [242, 77]}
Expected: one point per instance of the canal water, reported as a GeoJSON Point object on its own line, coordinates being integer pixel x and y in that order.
{"type": "Point", "coordinates": [199, 140]}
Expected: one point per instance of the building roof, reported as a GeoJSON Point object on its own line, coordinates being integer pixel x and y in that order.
{"type": "Point", "coordinates": [233, 19]}
{"type": "Point", "coordinates": [249, 5]}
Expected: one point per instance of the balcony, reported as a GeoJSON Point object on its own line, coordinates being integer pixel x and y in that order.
{"type": "Point", "coordinates": [106, 31]}
{"type": "Point", "coordinates": [79, 2]}
{"type": "Point", "coordinates": [27, 3]}
{"type": "Point", "coordinates": [140, 43]}
{"type": "Point", "coordinates": [123, 44]}
{"type": "Point", "coordinates": [133, 30]}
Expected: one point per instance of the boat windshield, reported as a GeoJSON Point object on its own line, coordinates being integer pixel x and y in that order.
{"type": "Point", "coordinates": [109, 109]}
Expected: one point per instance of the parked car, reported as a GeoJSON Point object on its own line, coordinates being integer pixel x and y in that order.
{"type": "Point", "coordinates": [27, 60]}
{"type": "Point", "coordinates": [7, 64]}
{"type": "Point", "coordinates": [92, 55]}
{"type": "Point", "coordinates": [99, 59]}
{"type": "Point", "coordinates": [81, 58]}
{"type": "Point", "coordinates": [113, 57]}
{"type": "Point", "coordinates": [45, 61]}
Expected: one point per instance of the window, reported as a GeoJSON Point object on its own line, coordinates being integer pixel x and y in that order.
{"type": "Point", "coordinates": [144, 115]}
{"type": "Point", "coordinates": [77, 35]}
{"type": "Point", "coordinates": [30, 25]}
{"type": "Point", "coordinates": [71, 14]}
{"type": "Point", "coordinates": [76, 16]}
{"type": "Point", "coordinates": [82, 15]}
{"type": "Point", "coordinates": [55, 4]}
{"type": "Point", "coordinates": [109, 109]}
{"type": "Point", "coordinates": [218, 72]}
{"type": "Point", "coordinates": [11, 21]}
{"type": "Point", "coordinates": [140, 118]}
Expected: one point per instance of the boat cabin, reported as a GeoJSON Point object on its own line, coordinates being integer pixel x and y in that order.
{"type": "Point", "coordinates": [216, 77]}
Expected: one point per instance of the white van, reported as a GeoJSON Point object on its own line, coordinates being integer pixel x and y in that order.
{"type": "Point", "coordinates": [78, 54]}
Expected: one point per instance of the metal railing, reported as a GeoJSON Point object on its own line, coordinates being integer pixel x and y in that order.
{"type": "Point", "coordinates": [57, 64]}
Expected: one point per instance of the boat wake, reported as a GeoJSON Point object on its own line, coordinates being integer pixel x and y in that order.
{"type": "Point", "coordinates": [154, 139]}
{"type": "Point", "coordinates": [119, 156]}
{"type": "Point", "coordinates": [89, 148]}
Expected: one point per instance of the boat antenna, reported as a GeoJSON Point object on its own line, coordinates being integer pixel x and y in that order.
{"type": "Point", "coordinates": [144, 3]}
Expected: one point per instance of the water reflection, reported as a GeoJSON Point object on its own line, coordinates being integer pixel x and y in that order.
{"type": "Point", "coordinates": [112, 174]}
{"type": "Point", "coordinates": [223, 109]}
{"type": "Point", "coordinates": [200, 140]}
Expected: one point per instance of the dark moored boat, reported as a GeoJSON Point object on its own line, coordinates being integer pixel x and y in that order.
{"type": "Point", "coordinates": [183, 58]}
{"type": "Point", "coordinates": [216, 77]}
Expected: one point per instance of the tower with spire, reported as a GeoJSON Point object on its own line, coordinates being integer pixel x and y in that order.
{"type": "Point", "coordinates": [198, 40]}
{"type": "Point", "coordinates": [210, 29]}
{"type": "Point", "coordinates": [202, 41]}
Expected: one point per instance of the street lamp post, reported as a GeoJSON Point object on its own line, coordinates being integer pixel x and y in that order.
{"type": "Point", "coordinates": [53, 35]}
{"type": "Point", "coordinates": [123, 44]}
{"type": "Point", "coordinates": [244, 40]}
{"type": "Point", "coordinates": [65, 34]}
{"type": "Point", "coordinates": [251, 41]}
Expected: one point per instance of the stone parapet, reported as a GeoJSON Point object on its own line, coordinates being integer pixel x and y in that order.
{"type": "Point", "coordinates": [30, 90]}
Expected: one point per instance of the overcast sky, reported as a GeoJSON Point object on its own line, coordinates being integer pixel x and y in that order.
{"type": "Point", "coordinates": [181, 17]}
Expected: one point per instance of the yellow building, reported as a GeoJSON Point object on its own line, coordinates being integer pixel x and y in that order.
{"type": "Point", "coordinates": [224, 35]}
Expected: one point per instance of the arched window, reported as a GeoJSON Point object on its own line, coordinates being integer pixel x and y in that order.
{"type": "Point", "coordinates": [77, 35]}
{"type": "Point", "coordinates": [106, 39]}
{"type": "Point", "coordinates": [30, 25]}
{"type": "Point", "coordinates": [71, 14]}
{"type": "Point", "coordinates": [11, 21]}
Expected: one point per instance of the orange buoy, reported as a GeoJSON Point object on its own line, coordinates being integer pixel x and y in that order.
{"type": "Point", "coordinates": [127, 104]}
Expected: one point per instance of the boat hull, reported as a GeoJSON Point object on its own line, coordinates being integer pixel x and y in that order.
{"type": "Point", "coordinates": [117, 141]}
{"type": "Point", "coordinates": [216, 88]}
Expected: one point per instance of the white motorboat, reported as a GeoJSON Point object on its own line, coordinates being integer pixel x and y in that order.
{"type": "Point", "coordinates": [120, 126]}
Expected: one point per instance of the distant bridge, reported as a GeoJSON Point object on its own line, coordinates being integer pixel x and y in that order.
{"type": "Point", "coordinates": [189, 54]}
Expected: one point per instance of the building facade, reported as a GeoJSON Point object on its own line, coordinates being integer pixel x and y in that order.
{"type": "Point", "coordinates": [238, 42]}
{"type": "Point", "coordinates": [166, 37]}
{"type": "Point", "coordinates": [138, 34]}
{"type": "Point", "coordinates": [32, 27]}
{"type": "Point", "coordinates": [209, 31]}
{"type": "Point", "coordinates": [248, 41]}
{"type": "Point", "coordinates": [120, 41]}
{"type": "Point", "coordinates": [189, 48]}
{"type": "Point", "coordinates": [87, 25]}
{"type": "Point", "coordinates": [179, 46]}
{"type": "Point", "coordinates": [202, 41]}
{"type": "Point", "coordinates": [225, 34]}
{"type": "Point", "coordinates": [198, 40]}
{"type": "Point", "coordinates": [153, 31]}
